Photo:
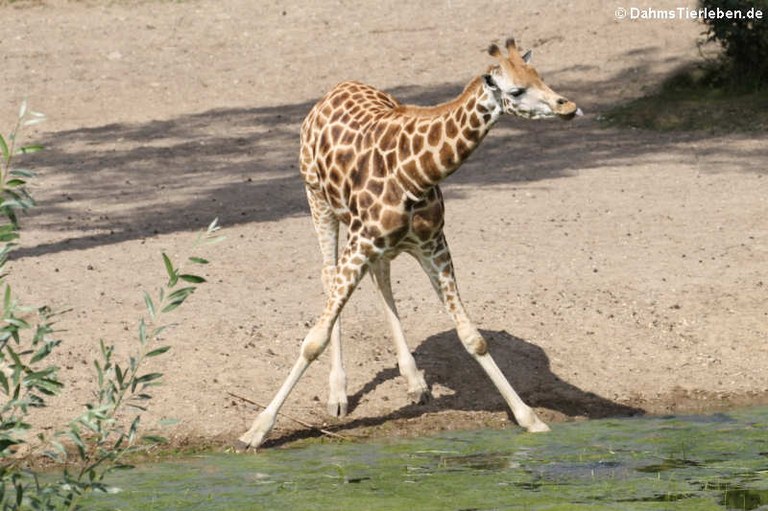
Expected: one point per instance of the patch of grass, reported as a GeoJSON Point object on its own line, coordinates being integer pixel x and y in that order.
{"type": "Point", "coordinates": [697, 98]}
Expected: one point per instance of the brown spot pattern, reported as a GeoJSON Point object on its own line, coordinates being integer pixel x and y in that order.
{"type": "Point", "coordinates": [435, 133]}
{"type": "Point", "coordinates": [366, 150]}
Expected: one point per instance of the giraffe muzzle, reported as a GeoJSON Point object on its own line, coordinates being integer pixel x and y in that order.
{"type": "Point", "coordinates": [567, 110]}
{"type": "Point", "coordinates": [571, 115]}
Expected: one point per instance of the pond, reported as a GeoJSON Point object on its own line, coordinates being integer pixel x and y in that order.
{"type": "Point", "coordinates": [697, 463]}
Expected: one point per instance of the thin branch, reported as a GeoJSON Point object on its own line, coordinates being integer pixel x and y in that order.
{"type": "Point", "coordinates": [298, 421]}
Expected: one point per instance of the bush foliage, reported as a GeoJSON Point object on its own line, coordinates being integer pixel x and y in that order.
{"type": "Point", "coordinates": [97, 442]}
{"type": "Point", "coordinates": [744, 41]}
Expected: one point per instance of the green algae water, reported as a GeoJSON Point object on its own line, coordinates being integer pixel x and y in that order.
{"type": "Point", "coordinates": [717, 462]}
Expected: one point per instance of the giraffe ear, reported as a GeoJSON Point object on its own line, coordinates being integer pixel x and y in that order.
{"type": "Point", "coordinates": [527, 56]}
{"type": "Point", "coordinates": [490, 82]}
{"type": "Point", "coordinates": [494, 51]}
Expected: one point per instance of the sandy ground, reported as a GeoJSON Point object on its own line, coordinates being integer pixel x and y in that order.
{"type": "Point", "coordinates": [614, 271]}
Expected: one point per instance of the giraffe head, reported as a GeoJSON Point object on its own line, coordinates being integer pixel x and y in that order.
{"type": "Point", "coordinates": [519, 89]}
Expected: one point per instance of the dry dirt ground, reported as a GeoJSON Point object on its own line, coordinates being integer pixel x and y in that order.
{"type": "Point", "coordinates": [614, 271]}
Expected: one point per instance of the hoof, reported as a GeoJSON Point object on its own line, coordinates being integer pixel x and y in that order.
{"type": "Point", "coordinates": [255, 436]}
{"type": "Point", "coordinates": [537, 427]}
{"type": "Point", "coordinates": [338, 410]}
{"type": "Point", "coordinates": [240, 446]}
{"type": "Point", "coordinates": [420, 396]}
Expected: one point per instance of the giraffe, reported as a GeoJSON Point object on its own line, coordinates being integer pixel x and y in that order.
{"type": "Point", "coordinates": [375, 164]}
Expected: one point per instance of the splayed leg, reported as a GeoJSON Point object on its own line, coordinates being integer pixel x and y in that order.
{"type": "Point", "coordinates": [437, 263]}
{"type": "Point", "coordinates": [418, 391]}
{"type": "Point", "coordinates": [353, 263]}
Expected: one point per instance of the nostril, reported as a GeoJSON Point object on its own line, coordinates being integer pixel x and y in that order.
{"type": "Point", "coordinates": [562, 101]}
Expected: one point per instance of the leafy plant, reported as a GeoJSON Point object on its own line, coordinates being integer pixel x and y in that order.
{"type": "Point", "coordinates": [744, 40]}
{"type": "Point", "coordinates": [24, 381]}
{"type": "Point", "coordinates": [96, 442]}
{"type": "Point", "coordinates": [13, 194]}
{"type": "Point", "coordinates": [100, 437]}
{"type": "Point", "coordinates": [722, 95]}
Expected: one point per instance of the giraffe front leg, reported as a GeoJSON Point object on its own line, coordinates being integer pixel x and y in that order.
{"type": "Point", "coordinates": [337, 378]}
{"type": "Point", "coordinates": [327, 228]}
{"type": "Point", "coordinates": [314, 343]}
{"type": "Point", "coordinates": [351, 268]}
{"type": "Point", "coordinates": [418, 390]}
{"type": "Point", "coordinates": [439, 267]}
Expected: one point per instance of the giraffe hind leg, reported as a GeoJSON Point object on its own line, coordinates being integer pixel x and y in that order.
{"type": "Point", "coordinates": [437, 264]}
{"type": "Point", "coordinates": [418, 390]}
{"type": "Point", "coordinates": [327, 229]}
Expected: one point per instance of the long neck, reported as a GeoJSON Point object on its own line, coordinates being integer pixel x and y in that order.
{"type": "Point", "coordinates": [436, 140]}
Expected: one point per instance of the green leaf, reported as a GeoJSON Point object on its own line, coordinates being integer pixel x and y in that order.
{"type": "Point", "coordinates": [7, 301]}
{"type": "Point", "coordinates": [198, 260]}
{"type": "Point", "coordinates": [106, 351]}
{"type": "Point", "coordinates": [43, 373]}
{"type": "Point", "coordinates": [172, 306]}
{"type": "Point", "coordinates": [13, 183]}
{"type": "Point", "coordinates": [30, 149]}
{"type": "Point", "coordinates": [4, 148]}
{"type": "Point", "coordinates": [5, 443]}
{"type": "Point", "coordinates": [74, 435]}
{"type": "Point", "coordinates": [18, 323]}
{"type": "Point", "coordinates": [154, 439]}
{"type": "Point", "coordinates": [47, 386]}
{"type": "Point", "coordinates": [173, 275]}
{"type": "Point", "coordinates": [14, 356]}
{"type": "Point", "coordinates": [142, 332]}
{"type": "Point", "coordinates": [32, 122]}
{"type": "Point", "coordinates": [8, 236]}
{"type": "Point", "coordinates": [158, 351]}
{"type": "Point", "coordinates": [217, 239]}
{"type": "Point", "coordinates": [194, 279]}
{"type": "Point", "coordinates": [177, 298]}
{"type": "Point", "coordinates": [147, 378]}
{"type": "Point", "coordinates": [133, 429]}
{"type": "Point", "coordinates": [119, 375]}
{"type": "Point", "coordinates": [4, 383]}
{"type": "Point", "coordinates": [10, 204]}
{"type": "Point", "coordinates": [17, 172]}
{"type": "Point", "coordinates": [157, 331]}
{"type": "Point", "coordinates": [99, 373]}
{"type": "Point", "coordinates": [43, 352]}
{"type": "Point", "coordinates": [182, 293]}
{"type": "Point", "coordinates": [150, 305]}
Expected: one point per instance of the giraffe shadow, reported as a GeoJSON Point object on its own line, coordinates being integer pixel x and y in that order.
{"type": "Point", "coordinates": [465, 387]}
{"type": "Point", "coordinates": [239, 164]}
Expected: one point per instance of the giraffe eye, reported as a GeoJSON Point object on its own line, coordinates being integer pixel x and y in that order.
{"type": "Point", "coordinates": [517, 92]}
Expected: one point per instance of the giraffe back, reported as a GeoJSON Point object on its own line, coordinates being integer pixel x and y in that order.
{"type": "Point", "coordinates": [333, 135]}
{"type": "Point", "coordinates": [377, 163]}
